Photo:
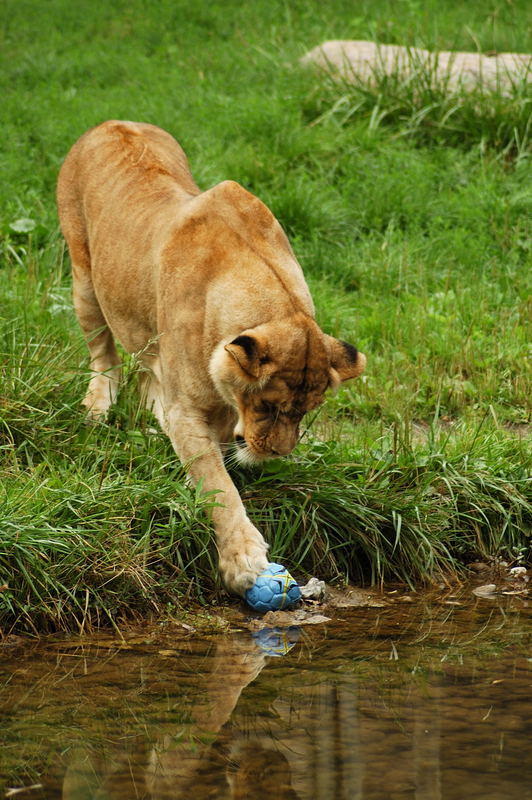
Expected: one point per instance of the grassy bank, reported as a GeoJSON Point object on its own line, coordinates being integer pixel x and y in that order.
{"type": "Point", "coordinates": [413, 227]}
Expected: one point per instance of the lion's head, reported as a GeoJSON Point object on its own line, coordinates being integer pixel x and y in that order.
{"type": "Point", "coordinates": [272, 375]}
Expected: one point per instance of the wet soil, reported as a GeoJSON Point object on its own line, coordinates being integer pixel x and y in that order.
{"type": "Point", "coordinates": [394, 696]}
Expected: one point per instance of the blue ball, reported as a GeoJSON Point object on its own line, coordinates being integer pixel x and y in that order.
{"type": "Point", "coordinates": [273, 590]}
{"type": "Point", "coordinates": [276, 642]}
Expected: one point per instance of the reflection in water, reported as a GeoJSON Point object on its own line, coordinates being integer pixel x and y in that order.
{"type": "Point", "coordinates": [413, 702]}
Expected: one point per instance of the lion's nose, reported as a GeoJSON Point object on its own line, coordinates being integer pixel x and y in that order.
{"type": "Point", "coordinates": [282, 449]}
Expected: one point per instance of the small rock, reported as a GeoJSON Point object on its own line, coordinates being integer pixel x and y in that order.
{"type": "Point", "coordinates": [518, 572]}
{"type": "Point", "coordinates": [488, 590]}
{"type": "Point", "coordinates": [478, 566]}
{"type": "Point", "coordinates": [313, 590]}
{"type": "Point", "coordinates": [285, 619]}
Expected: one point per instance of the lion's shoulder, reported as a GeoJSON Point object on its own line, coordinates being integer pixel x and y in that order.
{"type": "Point", "coordinates": [246, 215]}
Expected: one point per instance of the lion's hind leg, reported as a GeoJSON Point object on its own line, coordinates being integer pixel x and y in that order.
{"type": "Point", "coordinates": [151, 390]}
{"type": "Point", "coordinates": [104, 359]}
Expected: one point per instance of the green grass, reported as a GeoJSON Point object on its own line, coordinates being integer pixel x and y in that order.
{"type": "Point", "coordinates": [409, 211]}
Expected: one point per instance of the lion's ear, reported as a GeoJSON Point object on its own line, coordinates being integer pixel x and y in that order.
{"type": "Point", "coordinates": [249, 353]}
{"type": "Point", "coordinates": [345, 360]}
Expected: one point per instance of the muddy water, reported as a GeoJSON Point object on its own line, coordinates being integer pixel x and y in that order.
{"type": "Point", "coordinates": [418, 701]}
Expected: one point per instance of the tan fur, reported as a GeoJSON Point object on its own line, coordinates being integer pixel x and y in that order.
{"type": "Point", "coordinates": [206, 288]}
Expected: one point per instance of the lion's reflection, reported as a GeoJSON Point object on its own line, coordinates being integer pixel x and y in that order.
{"type": "Point", "coordinates": [201, 757]}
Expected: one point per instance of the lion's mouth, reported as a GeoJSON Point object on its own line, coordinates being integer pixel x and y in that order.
{"type": "Point", "coordinates": [248, 455]}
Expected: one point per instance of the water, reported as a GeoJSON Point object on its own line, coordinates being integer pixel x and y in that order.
{"type": "Point", "coordinates": [428, 700]}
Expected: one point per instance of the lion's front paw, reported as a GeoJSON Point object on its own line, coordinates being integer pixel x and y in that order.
{"type": "Point", "coordinates": [242, 558]}
{"type": "Point", "coordinates": [97, 407]}
{"type": "Point", "coordinates": [101, 394]}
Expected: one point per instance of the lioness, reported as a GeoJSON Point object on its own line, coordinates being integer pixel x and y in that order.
{"type": "Point", "coordinates": [206, 288]}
